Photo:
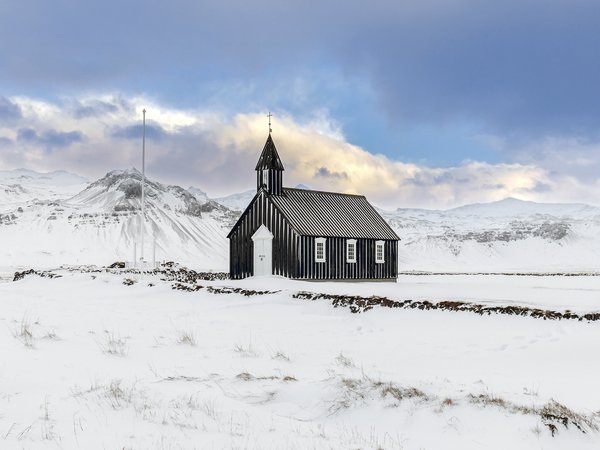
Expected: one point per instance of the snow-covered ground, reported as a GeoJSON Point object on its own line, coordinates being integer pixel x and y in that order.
{"type": "Point", "coordinates": [89, 362]}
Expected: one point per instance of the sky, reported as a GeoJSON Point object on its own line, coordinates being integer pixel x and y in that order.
{"type": "Point", "coordinates": [430, 103]}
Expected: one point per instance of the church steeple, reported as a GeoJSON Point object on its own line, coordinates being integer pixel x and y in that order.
{"type": "Point", "coordinates": [269, 169]}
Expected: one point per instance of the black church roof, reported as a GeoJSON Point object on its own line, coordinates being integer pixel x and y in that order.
{"type": "Point", "coordinates": [269, 158]}
{"type": "Point", "coordinates": [329, 214]}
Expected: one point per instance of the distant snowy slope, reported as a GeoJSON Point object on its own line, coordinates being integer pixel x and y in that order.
{"type": "Point", "coordinates": [60, 218]}
{"type": "Point", "coordinates": [200, 195]}
{"type": "Point", "coordinates": [22, 185]}
{"type": "Point", "coordinates": [512, 207]}
{"type": "Point", "coordinates": [28, 177]}
{"type": "Point", "coordinates": [101, 223]}
{"type": "Point", "coordinates": [238, 201]}
{"type": "Point", "coordinates": [509, 235]}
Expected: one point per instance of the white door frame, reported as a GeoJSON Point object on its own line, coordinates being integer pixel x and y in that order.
{"type": "Point", "coordinates": [263, 252]}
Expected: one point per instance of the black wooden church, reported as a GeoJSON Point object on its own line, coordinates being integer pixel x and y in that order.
{"type": "Point", "coordinates": [306, 234]}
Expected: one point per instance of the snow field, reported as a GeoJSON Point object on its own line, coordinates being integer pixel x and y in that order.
{"type": "Point", "coordinates": [91, 363]}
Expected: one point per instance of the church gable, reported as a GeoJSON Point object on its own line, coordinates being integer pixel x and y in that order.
{"type": "Point", "coordinates": [263, 213]}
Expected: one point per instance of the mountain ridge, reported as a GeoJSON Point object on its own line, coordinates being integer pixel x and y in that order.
{"type": "Point", "coordinates": [99, 223]}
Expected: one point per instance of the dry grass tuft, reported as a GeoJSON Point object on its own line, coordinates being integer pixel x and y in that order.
{"type": "Point", "coordinates": [344, 361]}
{"type": "Point", "coordinates": [400, 393]}
{"type": "Point", "coordinates": [488, 400]}
{"type": "Point", "coordinates": [187, 337]}
{"type": "Point", "coordinates": [448, 402]}
{"type": "Point", "coordinates": [114, 344]}
{"type": "Point", "coordinates": [117, 395]}
{"type": "Point", "coordinates": [245, 350]}
{"type": "Point", "coordinates": [24, 333]}
{"type": "Point", "coordinates": [553, 413]}
{"type": "Point", "coordinates": [281, 356]}
{"type": "Point", "coordinates": [245, 376]}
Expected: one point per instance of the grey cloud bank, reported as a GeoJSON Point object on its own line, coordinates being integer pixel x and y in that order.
{"type": "Point", "coordinates": [9, 111]}
{"type": "Point", "coordinates": [49, 139]}
{"type": "Point", "coordinates": [525, 68]}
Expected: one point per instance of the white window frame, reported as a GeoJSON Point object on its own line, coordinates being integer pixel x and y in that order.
{"type": "Point", "coordinates": [350, 243]}
{"type": "Point", "coordinates": [378, 245]}
{"type": "Point", "coordinates": [324, 242]}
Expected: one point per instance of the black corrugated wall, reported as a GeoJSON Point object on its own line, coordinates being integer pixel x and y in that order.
{"type": "Point", "coordinates": [336, 267]}
{"type": "Point", "coordinates": [285, 241]}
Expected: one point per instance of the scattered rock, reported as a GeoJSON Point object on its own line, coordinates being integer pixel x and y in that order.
{"type": "Point", "coordinates": [358, 304]}
{"type": "Point", "coordinates": [20, 275]}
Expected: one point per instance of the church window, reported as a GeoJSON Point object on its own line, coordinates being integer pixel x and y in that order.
{"type": "Point", "coordinates": [320, 250]}
{"type": "Point", "coordinates": [379, 252]}
{"type": "Point", "coordinates": [351, 250]}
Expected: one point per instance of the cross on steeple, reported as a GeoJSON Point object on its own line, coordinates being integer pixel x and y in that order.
{"type": "Point", "coordinates": [269, 116]}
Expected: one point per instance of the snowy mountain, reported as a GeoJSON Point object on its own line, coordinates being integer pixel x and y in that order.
{"type": "Point", "coordinates": [101, 223]}
{"type": "Point", "coordinates": [237, 202]}
{"type": "Point", "coordinates": [518, 208]}
{"type": "Point", "coordinates": [59, 218]}
{"type": "Point", "coordinates": [200, 195]}
{"type": "Point", "coordinates": [21, 185]}
{"type": "Point", "coordinates": [508, 235]}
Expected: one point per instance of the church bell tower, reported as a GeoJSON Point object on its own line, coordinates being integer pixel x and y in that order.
{"type": "Point", "coordinates": [269, 169]}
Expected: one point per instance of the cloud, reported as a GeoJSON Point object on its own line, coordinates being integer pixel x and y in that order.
{"type": "Point", "coordinates": [9, 111]}
{"type": "Point", "coordinates": [5, 142]}
{"type": "Point", "coordinates": [135, 132]}
{"type": "Point", "coordinates": [218, 153]}
{"type": "Point", "coordinates": [50, 139]}
{"type": "Point", "coordinates": [559, 154]}
{"type": "Point", "coordinates": [524, 68]}
{"type": "Point", "coordinates": [93, 108]}
{"type": "Point", "coordinates": [324, 172]}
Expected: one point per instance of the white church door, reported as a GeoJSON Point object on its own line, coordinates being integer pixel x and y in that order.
{"type": "Point", "coordinates": [263, 252]}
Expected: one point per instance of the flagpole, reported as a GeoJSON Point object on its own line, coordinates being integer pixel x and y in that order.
{"type": "Point", "coordinates": [143, 182]}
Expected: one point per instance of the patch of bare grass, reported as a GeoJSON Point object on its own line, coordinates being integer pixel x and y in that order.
{"type": "Point", "coordinates": [344, 361]}
{"type": "Point", "coordinates": [488, 400]}
{"type": "Point", "coordinates": [399, 393]}
{"type": "Point", "coordinates": [117, 395]}
{"type": "Point", "coordinates": [24, 333]}
{"type": "Point", "coordinates": [279, 355]}
{"type": "Point", "coordinates": [360, 390]}
{"type": "Point", "coordinates": [114, 344]}
{"type": "Point", "coordinates": [51, 335]}
{"type": "Point", "coordinates": [245, 376]}
{"type": "Point", "coordinates": [186, 337]}
{"type": "Point", "coordinates": [47, 424]}
{"type": "Point", "coordinates": [247, 350]}
{"type": "Point", "coordinates": [552, 415]}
